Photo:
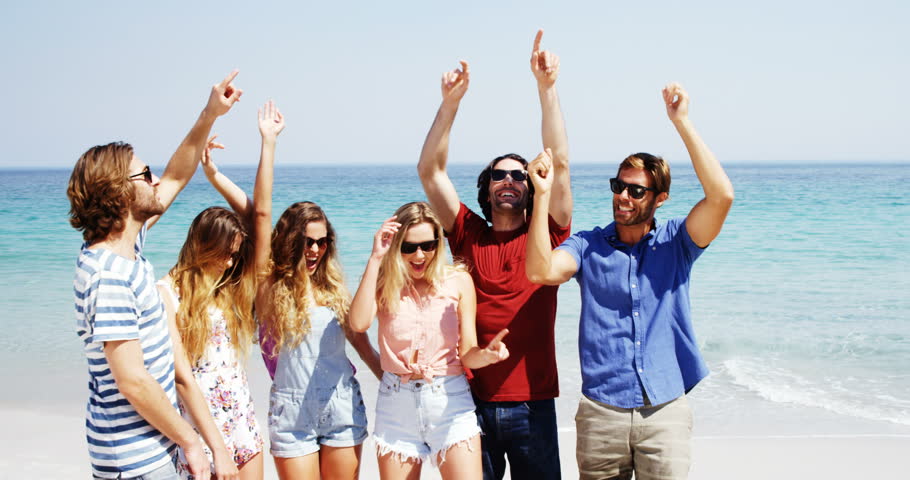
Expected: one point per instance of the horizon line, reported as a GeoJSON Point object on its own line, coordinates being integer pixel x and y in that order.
{"type": "Point", "coordinates": [776, 163]}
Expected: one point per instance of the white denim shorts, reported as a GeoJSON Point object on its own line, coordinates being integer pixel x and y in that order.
{"type": "Point", "coordinates": [420, 419]}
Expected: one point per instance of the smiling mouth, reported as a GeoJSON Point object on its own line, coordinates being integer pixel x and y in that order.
{"type": "Point", "coordinates": [311, 262]}
{"type": "Point", "coordinates": [418, 266]}
{"type": "Point", "coordinates": [507, 194]}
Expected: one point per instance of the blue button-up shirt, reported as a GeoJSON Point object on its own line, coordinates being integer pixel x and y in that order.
{"type": "Point", "coordinates": [636, 328]}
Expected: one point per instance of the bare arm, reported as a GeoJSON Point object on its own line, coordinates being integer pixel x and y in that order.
{"type": "Point", "coordinates": [707, 216]}
{"type": "Point", "coordinates": [471, 355]}
{"type": "Point", "coordinates": [435, 153]}
{"type": "Point", "coordinates": [234, 195]}
{"type": "Point", "coordinates": [544, 265]}
{"type": "Point", "coordinates": [545, 66]}
{"type": "Point", "coordinates": [193, 400]}
{"type": "Point", "coordinates": [363, 307]}
{"type": "Point", "coordinates": [183, 163]}
{"type": "Point", "coordinates": [361, 342]}
{"type": "Point", "coordinates": [271, 123]}
{"type": "Point", "coordinates": [148, 398]}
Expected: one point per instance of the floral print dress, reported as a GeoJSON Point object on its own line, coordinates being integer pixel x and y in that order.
{"type": "Point", "coordinates": [222, 381]}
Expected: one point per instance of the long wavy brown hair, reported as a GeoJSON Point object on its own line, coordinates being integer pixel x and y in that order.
{"type": "Point", "coordinates": [99, 191]}
{"type": "Point", "coordinates": [202, 282]}
{"type": "Point", "coordinates": [290, 285]}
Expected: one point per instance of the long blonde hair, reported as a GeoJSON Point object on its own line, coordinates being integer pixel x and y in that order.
{"type": "Point", "coordinates": [202, 284]}
{"type": "Point", "coordinates": [290, 285]}
{"type": "Point", "coordinates": [393, 273]}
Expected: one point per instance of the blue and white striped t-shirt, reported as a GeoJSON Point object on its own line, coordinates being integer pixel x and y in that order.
{"type": "Point", "coordinates": [116, 299]}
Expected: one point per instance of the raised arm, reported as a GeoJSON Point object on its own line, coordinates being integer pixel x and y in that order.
{"type": "Point", "coordinates": [473, 356]}
{"type": "Point", "coordinates": [193, 400]}
{"type": "Point", "coordinates": [363, 307]}
{"type": "Point", "coordinates": [543, 265]}
{"type": "Point", "coordinates": [234, 195]}
{"type": "Point", "coordinates": [271, 123]}
{"type": "Point", "coordinates": [545, 66]}
{"type": "Point", "coordinates": [435, 153]}
{"type": "Point", "coordinates": [183, 163]}
{"type": "Point", "coordinates": [707, 216]}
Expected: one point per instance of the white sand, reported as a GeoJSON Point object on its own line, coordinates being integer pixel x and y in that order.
{"type": "Point", "coordinates": [39, 445]}
{"type": "Point", "coordinates": [43, 442]}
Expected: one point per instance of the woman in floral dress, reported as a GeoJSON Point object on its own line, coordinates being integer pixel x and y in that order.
{"type": "Point", "coordinates": [211, 291]}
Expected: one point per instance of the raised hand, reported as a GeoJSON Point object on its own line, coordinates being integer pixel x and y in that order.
{"type": "Point", "coordinates": [224, 95]}
{"type": "Point", "coordinates": [677, 102]}
{"type": "Point", "coordinates": [544, 64]}
{"type": "Point", "coordinates": [271, 121]}
{"type": "Point", "coordinates": [455, 83]}
{"type": "Point", "coordinates": [496, 351]}
{"type": "Point", "coordinates": [208, 163]}
{"type": "Point", "coordinates": [541, 171]}
{"type": "Point", "coordinates": [383, 238]}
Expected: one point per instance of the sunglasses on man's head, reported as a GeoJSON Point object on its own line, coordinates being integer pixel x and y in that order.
{"type": "Point", "coordinates": [498, 175]}
{"type": "Point", "coordinates": [428, 246]}
{"type": "Point", "coordinates": [146, 174]}
{"type": "Point", "coordinates": [635, 191]}
{"type": "Point", "coordinates": [319, 242]}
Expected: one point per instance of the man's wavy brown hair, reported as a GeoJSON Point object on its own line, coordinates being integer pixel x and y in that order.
{"type": "Point", "coordinates": [100, 191]}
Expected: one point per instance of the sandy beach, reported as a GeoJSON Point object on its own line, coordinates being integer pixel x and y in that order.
{"type": "Point", "coordinates": [49, 443]}
{"type": "Point", "coordinates": [44, 445]}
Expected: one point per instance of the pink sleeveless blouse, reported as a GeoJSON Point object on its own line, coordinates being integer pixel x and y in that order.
{"type": "Point", "coordinates": [427, 325]}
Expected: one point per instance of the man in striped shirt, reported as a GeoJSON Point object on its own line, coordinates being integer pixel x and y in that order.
{"type": "Point", "coordinates": [132, 423]}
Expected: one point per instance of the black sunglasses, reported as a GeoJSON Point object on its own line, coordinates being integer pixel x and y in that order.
{"type": "Point", "coordinates": [635, 191]}
{"type": "Point", "coordinates": [498, 175]}
{"type": "Point", "coordinates": [428, 246]}
{"type": "Point", "coordinates": [320, 242]}
{"type": "Point", "coordinates": [146, 174]}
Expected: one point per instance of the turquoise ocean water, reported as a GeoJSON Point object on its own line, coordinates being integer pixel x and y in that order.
{"type": "Point", "coordinates": [801, 306]}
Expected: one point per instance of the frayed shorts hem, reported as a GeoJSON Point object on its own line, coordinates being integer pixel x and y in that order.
{"type": "Point", "coordinates": [384, 448]}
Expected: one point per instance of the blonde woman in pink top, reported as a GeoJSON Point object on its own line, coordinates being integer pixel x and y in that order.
{"type": "Point", "coordinates": [427, 338]}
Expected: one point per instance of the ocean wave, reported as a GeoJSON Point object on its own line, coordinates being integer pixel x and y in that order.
{"type": "Point", "coordinates": [843, 395]}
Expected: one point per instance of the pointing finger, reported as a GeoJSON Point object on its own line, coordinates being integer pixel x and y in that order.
{"type": "Point", "coordinates": [230, 78]}
{"type": "Point", "coordinates": [464, 67]}
{"type": "Point", "coordinates": [498, 338]}
{"type": "Point", "coordinates": [537, 40]}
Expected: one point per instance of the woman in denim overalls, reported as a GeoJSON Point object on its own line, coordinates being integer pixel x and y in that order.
{"type": "Point", "coordinates": [317, 420]}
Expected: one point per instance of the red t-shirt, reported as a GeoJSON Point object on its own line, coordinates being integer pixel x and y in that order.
{"type": "Point", "coordinates": [506, 299]}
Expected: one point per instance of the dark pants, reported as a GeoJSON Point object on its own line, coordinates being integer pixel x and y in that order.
{"type": "Point", "coordinates": [525, 432]}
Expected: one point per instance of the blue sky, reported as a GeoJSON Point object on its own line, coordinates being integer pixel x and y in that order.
{"type": "Point", "coordinates": [772, 81]}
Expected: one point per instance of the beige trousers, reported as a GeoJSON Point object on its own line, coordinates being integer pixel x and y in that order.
{"type": "Point", "coordinates": [652, 441]}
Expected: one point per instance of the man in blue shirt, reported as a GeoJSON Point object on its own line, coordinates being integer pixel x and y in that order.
{"type": "Point", "coordinates": [637, 346]}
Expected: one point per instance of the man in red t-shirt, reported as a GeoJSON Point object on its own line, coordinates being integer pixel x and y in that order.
{"type": "Point", "coordinates": [515, 398]}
